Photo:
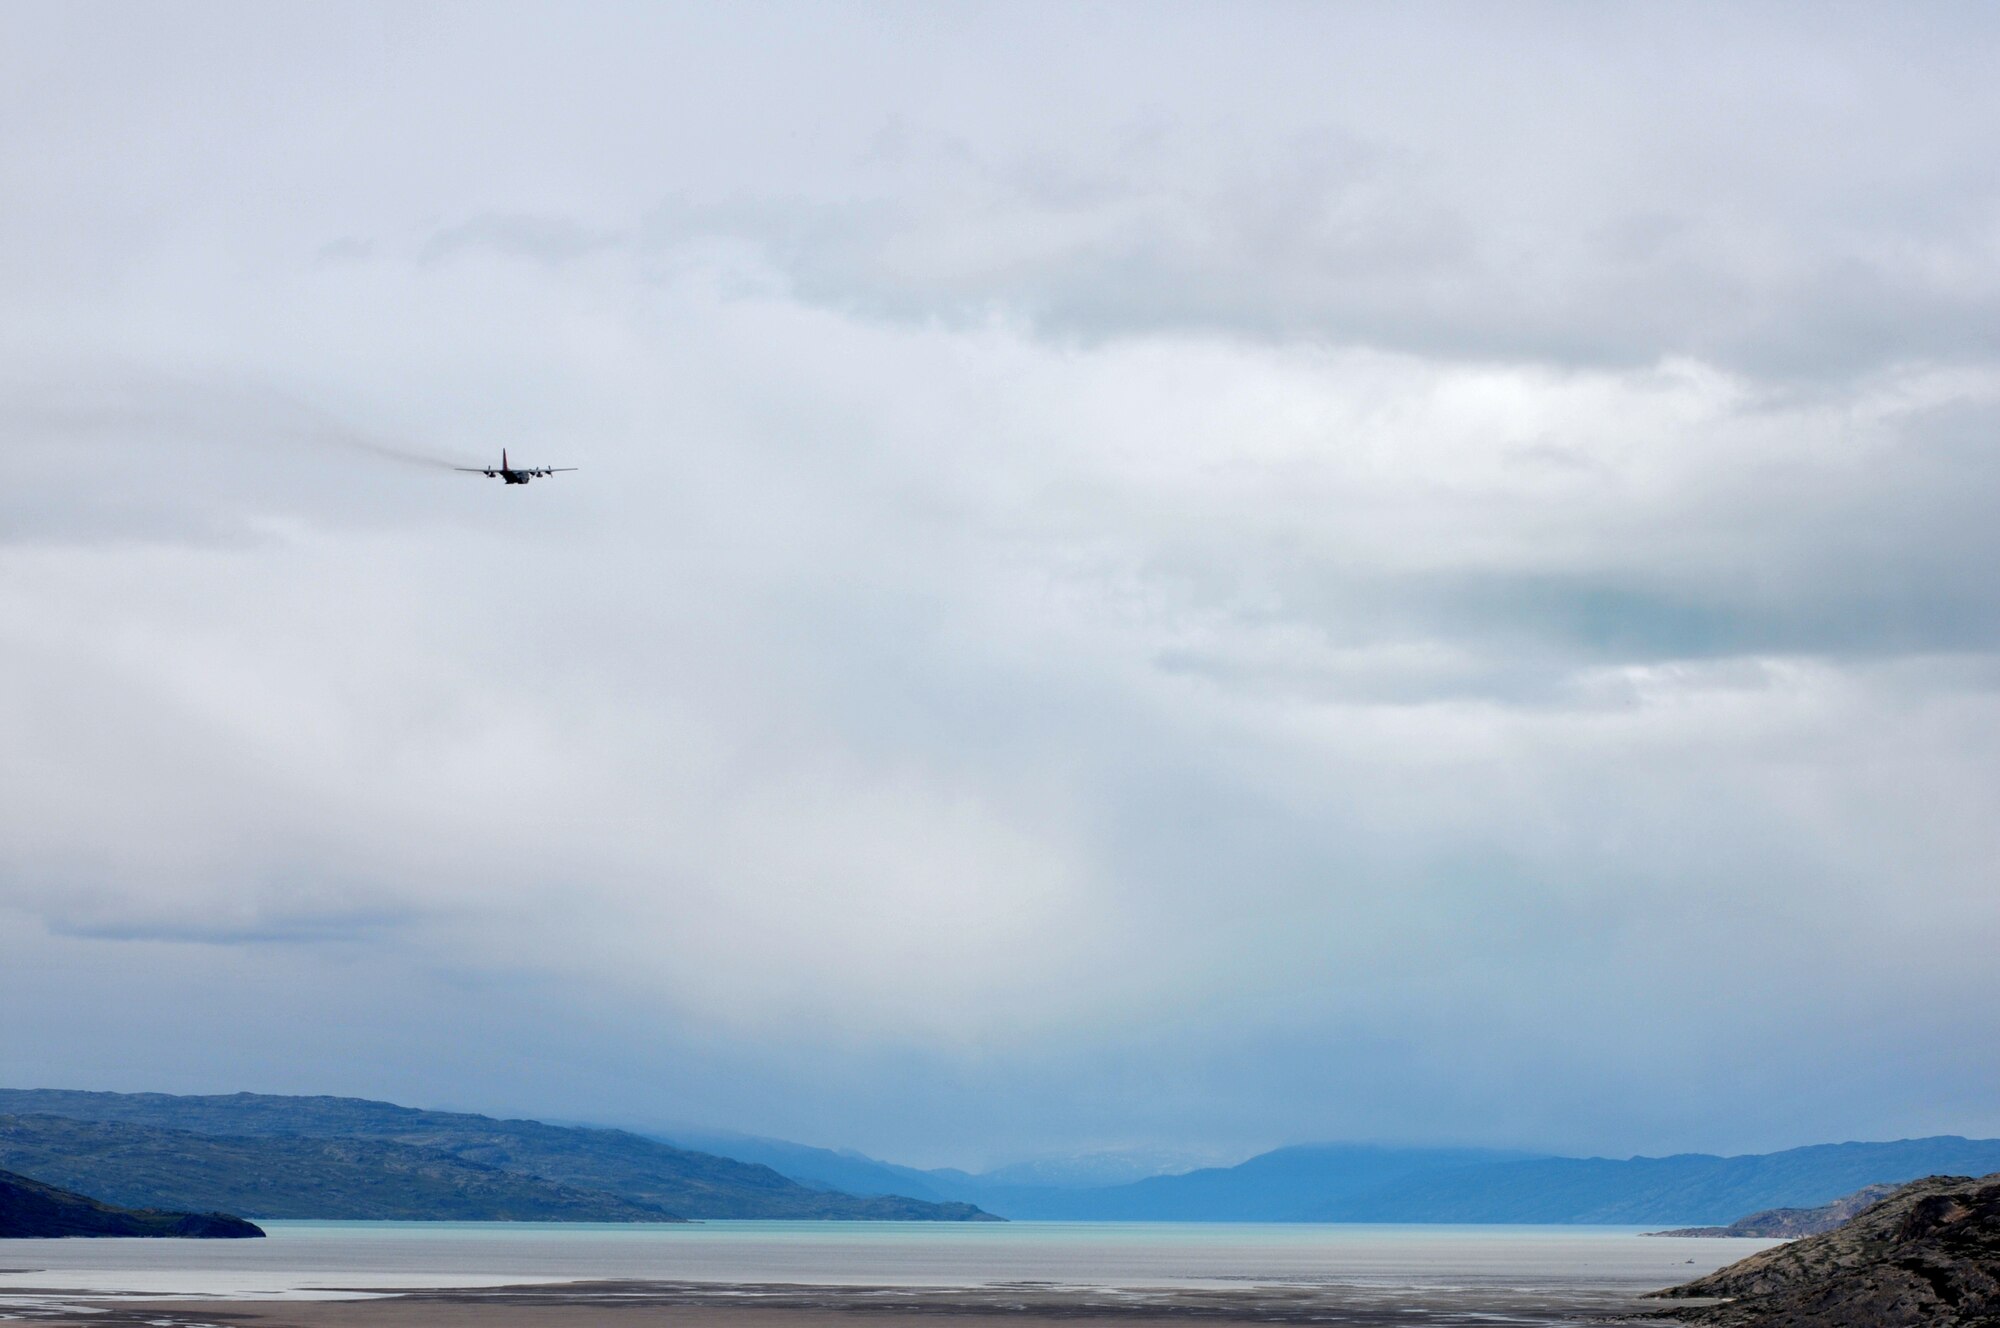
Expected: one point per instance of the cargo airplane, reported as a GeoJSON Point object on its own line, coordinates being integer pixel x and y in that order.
{"type": "Point", "coordinates": [512, 474]}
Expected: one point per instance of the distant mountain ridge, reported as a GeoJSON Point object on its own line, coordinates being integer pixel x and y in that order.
{"type": "Point", "coordinates": [1101, 1169]}
{"type": "Point", "coordinates": [1792, 1223]}
{"type": "Point", "coordinates": [1688, 1189]}
{"type": "Point", "coordinates": [857, 1173]}
{"type": "Point", "coordinates": [353, 1157]}
{"type": "Point", "coordinates": [349, 1157]}
{"type": "Point", "coordinates": [820, 1168]}
{"type": "Point", "coordinates": [1302, 1183]}
{"type": "Point", "coordinates": [1344, 1183]}
{"type": "Point", "coordinates": [1363, 1183]}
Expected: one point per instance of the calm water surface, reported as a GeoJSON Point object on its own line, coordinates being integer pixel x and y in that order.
{"type": "Point", "coordinates": [301, 1258]}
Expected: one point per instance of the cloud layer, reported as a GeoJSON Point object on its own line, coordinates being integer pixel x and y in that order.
{"type": "Point", "coordinates": [1197, 581]}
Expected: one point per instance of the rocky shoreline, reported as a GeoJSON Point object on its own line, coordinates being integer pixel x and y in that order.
{"type": "Point", "coordinates": [1792, 1223]}
{"type": "Point", "coordinates": [1928, 1256]}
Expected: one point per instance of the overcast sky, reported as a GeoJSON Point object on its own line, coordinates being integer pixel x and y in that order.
{"type": "Point", "coordinates": [1173, 575]}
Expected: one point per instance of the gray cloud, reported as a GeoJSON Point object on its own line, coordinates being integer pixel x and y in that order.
{"type": "Point", "coordinates": [1300, 242]}
{"type": "Point", "coordinates": [1528, 198]}
{"type": "Point", "coordinates": [517, 235]}
{"type": "Point", "coordinates": [1406, 578]}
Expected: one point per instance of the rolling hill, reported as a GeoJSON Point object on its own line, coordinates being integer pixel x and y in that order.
{"type": "Point", "coordinates": [142, 1166]}
{"type": "Point", "coordinates": [349, 1157]}
{"type": "Point", "coordinates": [1359, 1183]}
{"type": "Point", "coordinates": [1688, 1189]}
{"type": "Point", "coordinates": [32, 1210]}
{"type": "Point", "coordinates": [328, 1156]}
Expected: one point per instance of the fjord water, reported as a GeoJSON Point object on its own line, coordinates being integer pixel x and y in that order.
{"type": "Point", "coordinates": [304, 1258]}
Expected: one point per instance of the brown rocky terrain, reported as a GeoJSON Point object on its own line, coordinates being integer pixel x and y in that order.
{"type": "Point", "coordinates": [1927, 1255]}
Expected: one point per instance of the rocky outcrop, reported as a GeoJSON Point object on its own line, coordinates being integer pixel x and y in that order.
{"type": "Point", "coordinates": [1792, 1223]}
{"type": "Point", "coordinates": [30, 1209]}
{"type": "Point", "coordinates": [1927, 1255]}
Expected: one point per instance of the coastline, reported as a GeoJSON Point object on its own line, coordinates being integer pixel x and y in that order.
{"type": "Point", "coordinates": [644, 1304]}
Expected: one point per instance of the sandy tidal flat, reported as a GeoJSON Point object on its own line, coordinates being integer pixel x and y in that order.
{"type": "Point", "coordinates": [685, 1305]}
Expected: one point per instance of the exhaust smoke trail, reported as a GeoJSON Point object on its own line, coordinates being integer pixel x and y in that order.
{"type": "Point", "coordinates": [119, 405]}
{"type": "Point", "coordinates": [335, 435]}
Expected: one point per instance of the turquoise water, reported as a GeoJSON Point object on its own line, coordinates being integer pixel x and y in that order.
{"type": "Point", "coordinates": [307, 1258]}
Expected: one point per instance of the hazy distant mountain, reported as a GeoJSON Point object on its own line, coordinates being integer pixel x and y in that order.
{"type": "Point", "coordinates": [857, 1173]}
{"type": "Point", "coordinates": [1343, 1183]}
{"type": "Point", "coordinates": [820, 1168]}
{"type": "Point", "coordinates": [1690, 1189]}
{"type": "Point", "coordinates": [640, 1178]}
{"type": "Point", "coordinates": [1097, 1169]}
{"type": "Point", "coordinates": [1285, 1185]}
{"type": "Point", "coordinates": [445, 1158]}
{"type": "Point", "coordinates": [1351, 1183]}
{"type": "Point", "coordinates": [1278, 1186]}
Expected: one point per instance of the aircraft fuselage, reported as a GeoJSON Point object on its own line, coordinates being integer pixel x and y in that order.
{"type": "Point", "coordinates": [513, 474]}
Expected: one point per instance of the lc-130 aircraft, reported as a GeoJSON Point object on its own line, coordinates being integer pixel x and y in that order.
{"type": "Point", "coordinates": [511, 474]}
